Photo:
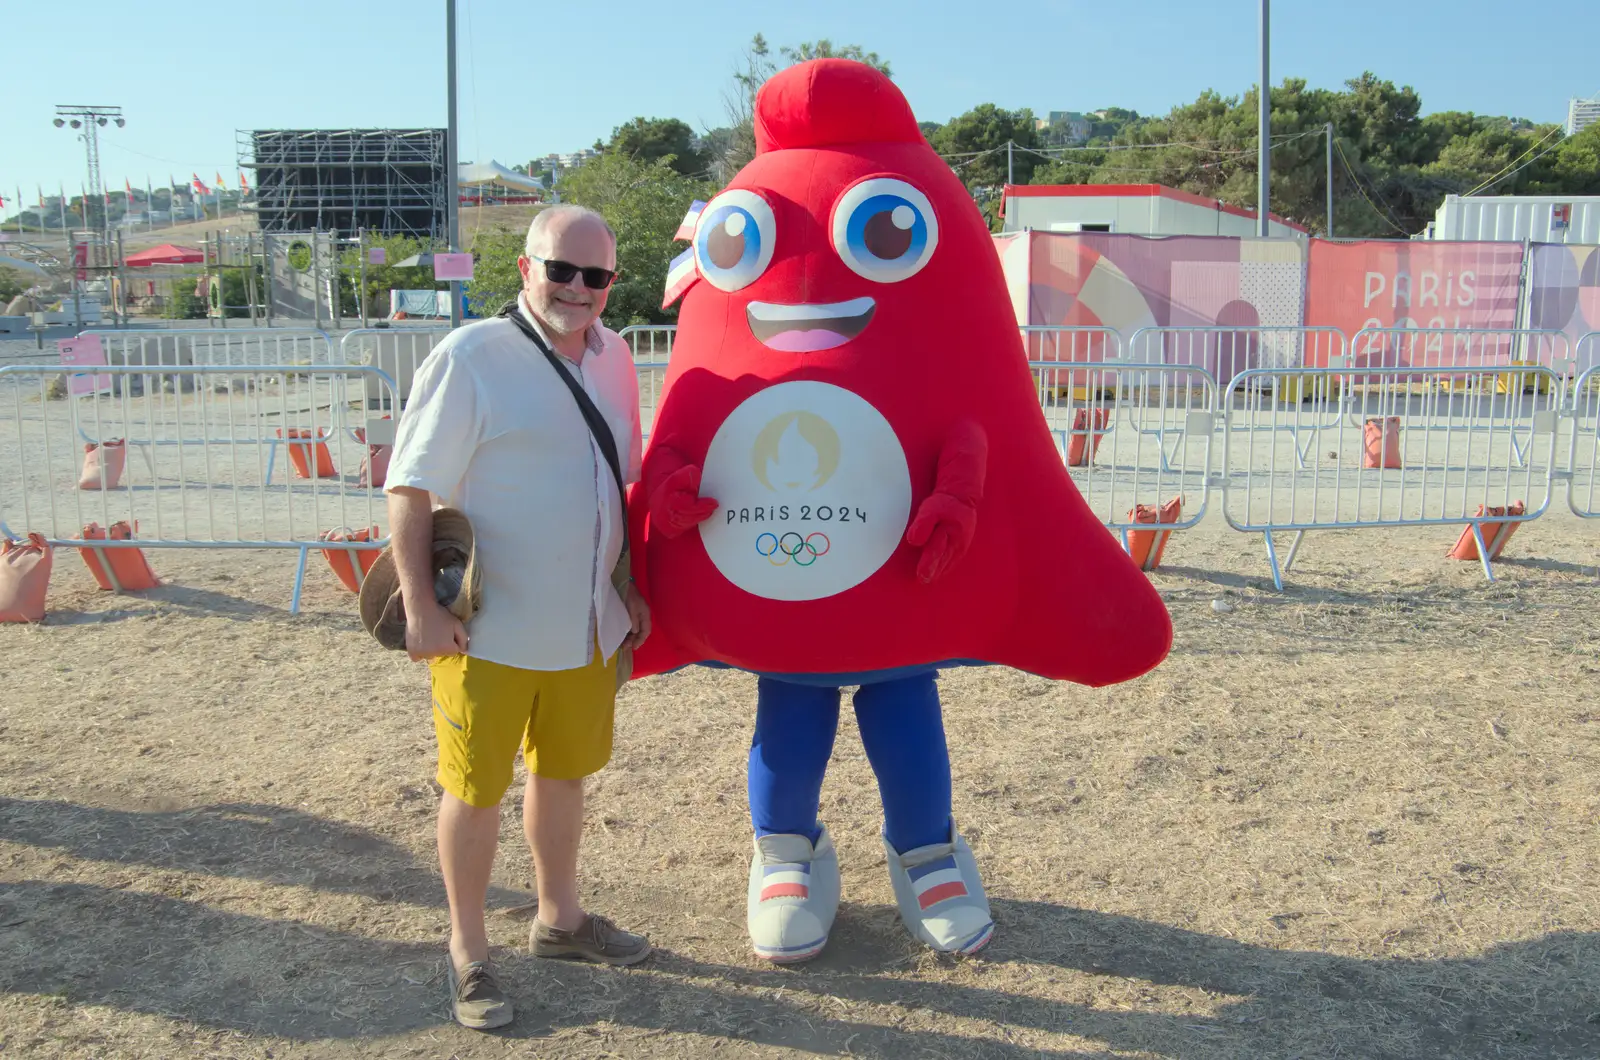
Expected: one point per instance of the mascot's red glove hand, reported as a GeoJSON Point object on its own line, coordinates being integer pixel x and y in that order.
{"type": "Point", "coordinates": [676, 505]}
{"type": "Point", "coordinates": [947, 519]}
{"type": "Point", "coordinates": [943, 529]}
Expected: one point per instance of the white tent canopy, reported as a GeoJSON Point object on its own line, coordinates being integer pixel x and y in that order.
{"type": "Point", "coordinates": [476, 174]}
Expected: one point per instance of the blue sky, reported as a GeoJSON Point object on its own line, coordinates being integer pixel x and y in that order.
{"type": "Point", "coordinates": [536, 78]}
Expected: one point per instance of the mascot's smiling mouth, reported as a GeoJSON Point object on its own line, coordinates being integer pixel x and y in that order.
{"type": "Point", "coordinates": [809, 328]}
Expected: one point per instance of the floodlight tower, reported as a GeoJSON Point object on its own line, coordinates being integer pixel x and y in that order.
{"type": "Point", "coordinates": [91, 119]}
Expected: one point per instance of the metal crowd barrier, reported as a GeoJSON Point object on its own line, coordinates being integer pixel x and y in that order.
{"type": "Point", "coordinates": [1076, 345]}
{"type": "Point", "coordinates": [650, 343]}
{"type": "Point", "coordinates": [1432, 350]}
{"type": "Point", "coordinates": [1227, 351]}
{"type": "Point", "coordinates": [652, 379]}
{"type": "Point", "coordinates": [1166, 454]}
{"type": "Point", "coordinates": [206, 433]}
{"type": "Point", "coordinates": [1441, 453]}
{"type": "Point", "coordinates": [1583, 457]}
{"type": "Point", "coordinates": [394, 351]}
{"type": "Point", "coordinates": [202, 346]}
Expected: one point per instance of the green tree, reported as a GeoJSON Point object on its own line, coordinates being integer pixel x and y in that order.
{"type": "Point", "coordinates": [976, 145]}
{"type": "Point", "coordinates": [1575, 166]}
{"type": "Point", "coordinates": [826, 49]}
{"type": "Point", "coordinates": [756, 65]}
{"type": "Point", "coordinates": [12, 283]}
{"type": "Point", "coordinates": [648, 139]}
{"type": "Point", "coordinates": [381, 279]}
{"type": "Point", "coordinates": [644, 202]}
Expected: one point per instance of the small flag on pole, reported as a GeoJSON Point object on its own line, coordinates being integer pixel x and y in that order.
{"type": "Point", "coordinates": [690, 219]}
{"type": "Point", "coordinates": [221, 186]}
{"type": "Point", "coordinates": [681, 275]}
{"type": "Point", "coordinates": [128, 187]}
{"type": "Point", "coordinates": [244, 185]}
{"type": "Point", "coordinates": [200, 189]}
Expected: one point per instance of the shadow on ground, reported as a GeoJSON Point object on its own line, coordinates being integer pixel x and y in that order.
{"type": "Point", "coordinates": [152, 953]}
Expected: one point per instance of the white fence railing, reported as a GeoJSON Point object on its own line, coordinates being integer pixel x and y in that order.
{"type": "Point", "coordinates": [1411, 451]}
{"type": "Point", "coordinates": [206, 438]}
{"type": "Point", "coordinates": [396, 352]}
{"type": "Point", "coordinates": [1583, 456]}
{"type": "Point", "coordinates": [650, 343]}
{"type": "Point", "coordinates": [1298, 428]}
{"type": "Point", "coordinates": [1133, 435]}
{"type": "Point", "coordinates": [203, 346]}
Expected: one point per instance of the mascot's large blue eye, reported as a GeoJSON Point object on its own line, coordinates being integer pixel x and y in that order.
{"type": "Point", "coordinates": [734, 239]}
{"type": "Point", "coordinates": [885, 230]}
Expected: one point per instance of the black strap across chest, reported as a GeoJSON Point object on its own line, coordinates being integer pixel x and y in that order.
{"type": "Point", "coordinates": [597, 423]}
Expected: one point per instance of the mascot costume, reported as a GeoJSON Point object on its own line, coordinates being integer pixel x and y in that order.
{"type": "Point", "coordinates": [849, 482]}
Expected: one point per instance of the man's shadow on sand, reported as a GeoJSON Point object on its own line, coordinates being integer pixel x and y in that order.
{"type": "Point", "coordinates": [152, 953]}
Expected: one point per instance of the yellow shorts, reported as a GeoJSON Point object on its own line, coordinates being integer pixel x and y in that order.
{"type": "Point", "coordinates": [483, 710]}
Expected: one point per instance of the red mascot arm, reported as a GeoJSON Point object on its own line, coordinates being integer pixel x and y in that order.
{"type": "Point", "coordinates": [947, 519]}
{"type": "Point", "coordinates": [672, 485]}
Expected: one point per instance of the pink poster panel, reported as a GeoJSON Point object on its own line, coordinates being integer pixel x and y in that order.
{"type": "Point", "coordinates": [1564, 295]}
{"type": "Point", "coordinates": [1419, 284]}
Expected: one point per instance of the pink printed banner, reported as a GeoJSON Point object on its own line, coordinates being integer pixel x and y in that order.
{"type": "Point", "coordinates": [1127, 283]}
{"type": "Point", "coordinates": [1412, 285]}
{"type": "Point", "coordinates": [84, 350]}
{"type": "Point", "coordinates": [1564, 295]}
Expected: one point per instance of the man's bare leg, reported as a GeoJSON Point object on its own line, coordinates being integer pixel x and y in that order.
{"type": "Point", "coordinates": [467, 838]}
{"type": "Point", "coordinates": [552, 819]}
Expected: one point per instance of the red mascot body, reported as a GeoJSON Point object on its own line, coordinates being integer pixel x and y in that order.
{"type": "Point", "coordinates": [849, 481]}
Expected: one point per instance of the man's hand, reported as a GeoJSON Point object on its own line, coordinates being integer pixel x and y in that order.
{"type": "Point", "coordinates": [943, 529]}
{"type": "Point", "coordinates": [432, 632]}
{"type": "Point", "coordinates": [638, 615]}
{"type": "Point", "coordinates": [676, 505]}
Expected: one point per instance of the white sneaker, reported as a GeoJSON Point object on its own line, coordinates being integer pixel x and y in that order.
{"type": "Point", "coordinates": [940, 896]}
{"type": "Point", "coordinates": [794, 895]}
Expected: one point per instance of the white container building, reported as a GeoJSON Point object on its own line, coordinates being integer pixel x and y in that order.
{"type": "Point", "coordinates": [1514, 218]}
{"type": "Point", "coordinates": [1137, 209]}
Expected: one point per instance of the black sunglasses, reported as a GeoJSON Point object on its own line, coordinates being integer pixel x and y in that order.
{"type": "Point", "coordinates": [594, 277]}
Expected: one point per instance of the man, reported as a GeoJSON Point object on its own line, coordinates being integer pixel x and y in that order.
{"type": "Point", "coordinates": [491, 430]}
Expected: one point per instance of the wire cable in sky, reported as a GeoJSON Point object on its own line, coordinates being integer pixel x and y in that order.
{"type": "Point", "coordinates": [1383, 214]}
{"type": "Point", "coordinates": [1519, 158]}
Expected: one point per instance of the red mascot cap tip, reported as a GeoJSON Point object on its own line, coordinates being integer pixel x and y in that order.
{"type": "Point", "coordinates": [828, 102]}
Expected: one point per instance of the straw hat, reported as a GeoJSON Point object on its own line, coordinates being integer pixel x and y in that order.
{"type": "Point", "coordinates": [457, 581]}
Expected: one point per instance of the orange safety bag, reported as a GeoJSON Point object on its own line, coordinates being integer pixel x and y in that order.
{"type": "Point", "coordinates": [24, 578]}
{"type": "Point", "coordinates": [103, 463]}
{"type": "Point", "coordinates": [340, 559]}
{"type": "Point", "coordinates": [1146, 546]}
{"type": "Point", "coordinates": [1495, 535]}
{"type": "Point", "coordinates": [128, 565]}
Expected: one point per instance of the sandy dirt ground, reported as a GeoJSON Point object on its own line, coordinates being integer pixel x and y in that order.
{"type": "Point", "coordinates": [1355, 818]}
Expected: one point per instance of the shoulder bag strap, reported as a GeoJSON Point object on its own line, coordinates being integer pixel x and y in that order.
{"type": "Point", "coordinates": [597, 424]}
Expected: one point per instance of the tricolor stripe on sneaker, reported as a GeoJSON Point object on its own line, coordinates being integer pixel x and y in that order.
{"type": "Point", "coordinates": [789, 879]}
{"type": "Point", "coordinates": [937, 881]}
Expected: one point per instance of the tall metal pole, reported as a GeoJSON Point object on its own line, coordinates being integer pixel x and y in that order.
{"type": "Point", "coordinates": [1264, 192]}
{"type": "Point", "coordinates": [1330, 180]}
{"type": "Point", "coordinates": [1010, 179]}
{"type": "Point", "coordinates": [453, 206]}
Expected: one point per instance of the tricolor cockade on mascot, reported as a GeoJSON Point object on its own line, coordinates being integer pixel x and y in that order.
{"type": "Point", "coordinates": [849, 482]}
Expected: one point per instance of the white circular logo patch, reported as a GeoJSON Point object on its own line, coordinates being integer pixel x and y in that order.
{"type": "Point", "coordinates": [813, 488]}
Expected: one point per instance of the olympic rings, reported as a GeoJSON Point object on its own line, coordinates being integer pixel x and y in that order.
{"type": "Point", "coordinates": [803, 550]}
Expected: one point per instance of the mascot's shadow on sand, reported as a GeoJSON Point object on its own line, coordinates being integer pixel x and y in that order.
{"type": "Point", "coordinates": [850, 482]}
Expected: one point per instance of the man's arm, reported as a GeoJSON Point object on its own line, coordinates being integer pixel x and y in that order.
{"type": "Point", "coordinates": [431, 631]}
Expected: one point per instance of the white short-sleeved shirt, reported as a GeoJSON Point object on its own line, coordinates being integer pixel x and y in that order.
{"type": "Point", "coordinates": [489, 429]}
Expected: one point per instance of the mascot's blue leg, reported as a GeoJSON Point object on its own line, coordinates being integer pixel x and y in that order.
{"type": "Point", "coordinates": [902, 731]}
{"type": "Point", "coordinates": [935, 878]}
{"type": "Point", "coordinates": [795, 727]}
{"type": "Point", "coordinates": [794, 874]}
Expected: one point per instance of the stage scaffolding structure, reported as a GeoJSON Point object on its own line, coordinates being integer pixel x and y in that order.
{"type": "Point", "coordinates": [389, 181]}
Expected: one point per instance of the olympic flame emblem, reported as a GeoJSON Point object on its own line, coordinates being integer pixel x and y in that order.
{"type": "Point", "coordinates": [795, 451]}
